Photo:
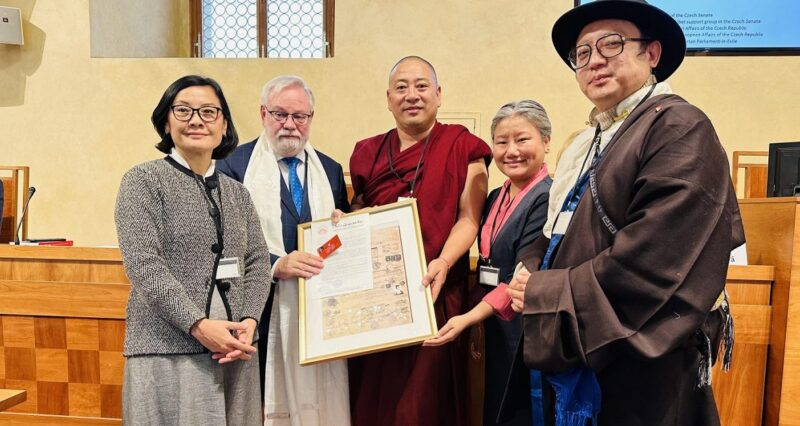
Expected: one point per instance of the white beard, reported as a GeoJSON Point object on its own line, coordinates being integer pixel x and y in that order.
{"type": "Point", "coordinates": [286, 146]}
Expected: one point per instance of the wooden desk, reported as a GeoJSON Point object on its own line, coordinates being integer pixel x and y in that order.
{"type": "Point", "coordinates": [772, 228]}
{"type": "Point", "coordinates": [11, 397]}
{"type": "Point", "coordinates": [62, 312]}
{"type": "Point", "coordinates": [740, 392]}
{"type": "Point", "coordinates": [15, 182]}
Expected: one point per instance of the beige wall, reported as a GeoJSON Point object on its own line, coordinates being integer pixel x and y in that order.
{"type": "Point", "coordinates": [81, 122]}
{"type": "Point", "coordinates": [139, 29]}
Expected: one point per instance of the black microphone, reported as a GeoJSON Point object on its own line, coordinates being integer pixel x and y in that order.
{"type": "Point", "coordinates": [212, 183]}
{"type": "Point", "coordinates": [31, 191]}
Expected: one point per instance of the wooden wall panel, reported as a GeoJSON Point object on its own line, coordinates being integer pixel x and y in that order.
{"type": "Point", "coordinates": [63, 299]}
{"type": "Point", "coordinates": [790, 389]}
{"type": "Point", "coordinates": [62, 367]}
{"type": "Point", "coordinates": [13, 419]}
{"type": "Point", "coordinates": [62, 330]}
{"type": "Point", "coordinates": [51, 398]}
{"type": "Point", "coordinates": [70, 349]}
{"type": "Point", "coordinates": [740, 392]}
{"type": "Point", "coordinates": [111, 400]}
{"type": "Point", "coordinates": [52, 365]}
{"type": "Point", "coordinates": [769, 225]}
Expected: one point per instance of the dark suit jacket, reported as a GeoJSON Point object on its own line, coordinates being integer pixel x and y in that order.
{"type": "Point", "coordinates": [502, 337]}
{"type": "Point", "coordinates": [236, 165]}
{"type": "Point", "coordinates": [521, 229]}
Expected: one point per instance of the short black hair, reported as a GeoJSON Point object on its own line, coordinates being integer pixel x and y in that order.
{"type": "Point", "coordinates": [160, 116]}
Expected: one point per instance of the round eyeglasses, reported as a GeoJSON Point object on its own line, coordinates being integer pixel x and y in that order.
{"type": "Point", "coordinates": [607, 46]}
{"type": "Point", "coordinates": [206, 113]}
{"type": "Point", "coordinates": [299, 118]}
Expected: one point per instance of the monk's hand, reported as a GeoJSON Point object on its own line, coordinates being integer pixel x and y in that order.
{"type": "Point", "coordinates": [454, 327]}
{"type": "Point", "coordinates": [357, 203]}
{"type": "Point", "coordinates": [216, 336]}
{"type": "Point", "coordinates": [437, 274]}
{"type": "Point", "coordinates": [245, 337]}
{"type": "Point", "coordinates": [516, 289]}
{"type": "Point", "coordinates": [336, 216]}
{"type": "Point", "coordinates": [298, 264]}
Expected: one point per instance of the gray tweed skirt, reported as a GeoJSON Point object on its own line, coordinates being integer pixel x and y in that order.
{"type": "Point", "coordinates": [191, 389]}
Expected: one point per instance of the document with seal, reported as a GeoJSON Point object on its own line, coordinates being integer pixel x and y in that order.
{"type": "Point", "coordinates": [384, 304]}
{"type": "Point", "coordinates": [369, 296]}
{"type": "Point", "coordinates": [349, 268]}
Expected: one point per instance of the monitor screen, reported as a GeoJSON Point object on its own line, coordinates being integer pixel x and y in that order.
{"type": "Point", "coordinates": [783, 171]}
{"type": "Point", "coordinates": [735, 27]}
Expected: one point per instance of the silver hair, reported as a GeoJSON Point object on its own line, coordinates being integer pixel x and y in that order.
{"type": "Point", "coordinates": [530, 110]}
{"type": "Point", "coordinates": [418, 58]}
{"type": "Point", "coordinates": [277, 84]}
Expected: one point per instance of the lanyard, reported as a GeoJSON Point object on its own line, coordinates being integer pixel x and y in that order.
{"type": "Point", "coordinates": [493, 232]}
{"type": "Point", "coordinates": [214, 210]}
{"type": "Point", "coordinates": [594, 147]}
{"type": "Point", "coordinates": [413, 182]}
{"type": "Point", "coordinates": [591, 174]}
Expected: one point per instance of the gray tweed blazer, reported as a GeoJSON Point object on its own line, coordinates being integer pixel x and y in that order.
{"type": "Point", "coordinates": [166, 234]}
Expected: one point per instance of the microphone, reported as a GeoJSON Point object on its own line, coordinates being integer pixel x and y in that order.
{"type": "Point", "coordinates": [212, 183]}
{"type": "Point", "coordinates": [31, 191]}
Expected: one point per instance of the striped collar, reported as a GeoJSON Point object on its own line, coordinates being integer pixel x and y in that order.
{"type": "Point", "coordinates": [620, 111]}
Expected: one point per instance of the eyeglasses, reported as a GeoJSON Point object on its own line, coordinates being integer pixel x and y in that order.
{"type": "Point", "coordinates": [607, 46]}
{"type": "Point", "coordinates": [208, 114]}
{"type": "Point", "coordinates": [299, 118]}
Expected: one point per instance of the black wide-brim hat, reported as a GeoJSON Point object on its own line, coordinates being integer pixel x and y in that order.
{"type": "Point", "coordinates": [652, 22]}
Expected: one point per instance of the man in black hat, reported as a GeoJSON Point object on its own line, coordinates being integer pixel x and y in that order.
{"type": "Point", "coordinates": [624, 311]}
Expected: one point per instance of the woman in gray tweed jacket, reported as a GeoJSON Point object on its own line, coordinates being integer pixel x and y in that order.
{"type": "Point", "coordinates": [199, 270]}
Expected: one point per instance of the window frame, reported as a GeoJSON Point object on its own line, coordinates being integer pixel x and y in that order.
{"type": "Point", "coordinates": [196, 27]}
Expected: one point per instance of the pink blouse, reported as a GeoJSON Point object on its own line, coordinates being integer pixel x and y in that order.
{"type": "Point", "coordinates": [500, 211]}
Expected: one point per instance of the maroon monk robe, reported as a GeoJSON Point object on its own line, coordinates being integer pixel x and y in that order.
{"type": "Point", "coordinates": [418, 385]}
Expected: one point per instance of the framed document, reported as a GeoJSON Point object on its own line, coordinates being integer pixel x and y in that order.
{"type": "Point", "coordinates": [369, 296]}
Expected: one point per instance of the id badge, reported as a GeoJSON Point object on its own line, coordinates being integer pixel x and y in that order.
{"type": "Point", "coordinates": [229, 267]}
{"type": "Point", "coordinates": [401, 198]}
{"type": "Point", "coordinates": [488, 275]}
{"type": "Point", "coordinates": [562, 222]}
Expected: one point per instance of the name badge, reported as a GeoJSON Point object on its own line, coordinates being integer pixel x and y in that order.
{"type": "Point", "coordinates": [229, 267]}
{"type": "Point", "coordinates": [401, 198]}
{"type": "Point", "coordinates": [488, 275]}
{"type": "Point", "coordinates": [562, 222]}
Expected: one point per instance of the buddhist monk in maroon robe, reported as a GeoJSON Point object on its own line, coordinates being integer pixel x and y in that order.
{"type": "Point", "coordinates": [445, 168]}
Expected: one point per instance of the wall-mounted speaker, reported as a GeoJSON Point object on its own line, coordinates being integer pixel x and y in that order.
{"type": "Point", "coordinates": [11, 25]}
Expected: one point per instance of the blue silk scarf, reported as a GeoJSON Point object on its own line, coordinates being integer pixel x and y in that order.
{"type": "Point", "coordinates": [577, 391]}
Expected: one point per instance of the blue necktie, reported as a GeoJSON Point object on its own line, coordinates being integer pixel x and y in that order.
{"type": "Point", "coordinates": [295, 186]}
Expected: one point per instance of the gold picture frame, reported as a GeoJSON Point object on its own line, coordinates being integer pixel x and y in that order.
{"type": "Point", "coordinates": [395, 310]}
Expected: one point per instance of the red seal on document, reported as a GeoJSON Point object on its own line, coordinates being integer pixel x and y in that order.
{"type": "Point", "coordinates": [329, 247]}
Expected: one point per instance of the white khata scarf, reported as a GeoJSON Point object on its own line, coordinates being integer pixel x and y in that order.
{"type": "Point", "coordinates": [294, 395]}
